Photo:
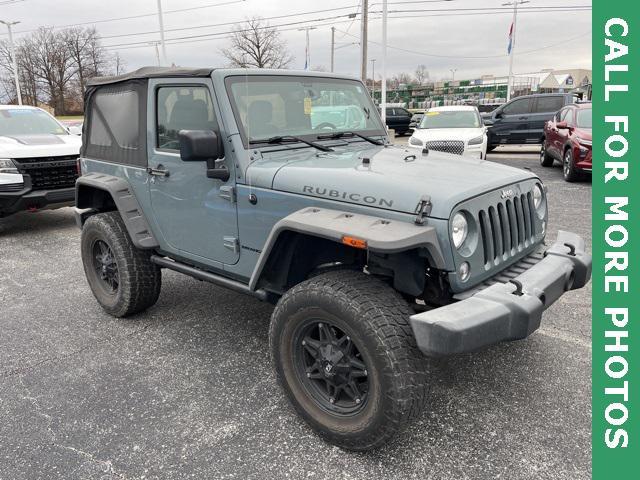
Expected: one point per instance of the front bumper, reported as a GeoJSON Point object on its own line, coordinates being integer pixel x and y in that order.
{"type": "Point", "coordinates": [505, 311]}
{"type": "Point", "coordinates": [27, 199]}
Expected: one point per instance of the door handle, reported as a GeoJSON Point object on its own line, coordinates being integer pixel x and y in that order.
{"type": "Point", "coordinates": [159, 172]}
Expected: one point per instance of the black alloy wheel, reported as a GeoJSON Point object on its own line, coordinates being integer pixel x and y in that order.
{"type": "Point", "coordinates": [331, 367]}
{"type": "Point", "coordinates": [105, 265]}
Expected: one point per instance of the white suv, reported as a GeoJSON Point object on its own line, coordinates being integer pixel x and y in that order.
{"type": "Point", "coordinates": [456, 129]}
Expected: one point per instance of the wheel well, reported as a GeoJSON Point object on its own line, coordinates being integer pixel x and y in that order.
{"type": "Point", "coordinates": [95, 198]}
{"type": "Point", "coordinates": [298, 256]}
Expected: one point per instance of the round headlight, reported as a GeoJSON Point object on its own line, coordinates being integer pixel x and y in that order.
{"type": "Point", "coordinates": [537, 196]}
{"type": "Point", "coordinates": [459, 229]}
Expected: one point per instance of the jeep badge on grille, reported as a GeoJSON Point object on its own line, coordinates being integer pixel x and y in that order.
{"type": "Point", "coordinates": [506, 193]}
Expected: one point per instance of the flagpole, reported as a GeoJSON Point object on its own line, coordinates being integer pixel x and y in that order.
{"type": "Point", "coordinates": [512, 42]}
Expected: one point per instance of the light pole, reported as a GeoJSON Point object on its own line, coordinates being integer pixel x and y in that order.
{"type": "Point", "coordinates": [333, 46]}
{"type": "Point", "coordinates": [383, 93]}
{"type": "Point", "coordinates": [155, 44]}
{"type": "Point", "coordinates": [364, 34]}
{"type": "Point", "coordinates": [14, 61]}
{"type": "Point", "coordinates": [512, 42]}
{"type": "Point", "coordinates": [373, 77]}
{"type": "Point", "coordinates": [162, 41]}
{"type": "Point", "coordinates": [453, 74]}
{"type": "Point", "coordinates": [307, 54]}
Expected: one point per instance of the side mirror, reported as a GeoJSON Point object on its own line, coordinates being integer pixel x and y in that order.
{"type": "Point", "coordinates": [562, 125]}
{"type": "Point", "coordinates": [498, 114]}
{"type": "Point", "coordinates": [203, 145]}
{"type": "Point", "coordinates": [74, 130]}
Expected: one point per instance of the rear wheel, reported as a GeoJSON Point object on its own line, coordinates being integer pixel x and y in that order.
{"type": "Point", "coordinates": [546, 160]}
{"type": "Point", "coordinates": [121, 277]}
{"type": "Point", "coordinates": [346, 357]}
{"type": "Point", "coordinates": [568, 168]}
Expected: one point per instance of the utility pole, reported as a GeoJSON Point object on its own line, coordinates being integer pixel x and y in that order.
{"type": "Point", "coordinates": [333, 46]}
{"type": "Point", "coordinates": [453, 74]}
{"type": "Point", "coordinates": [512, 42]}
{"type": "Point", "coordinates": [14, 61]}
{"type": "Point", "coordinates": [307, 53]}
{"type": "Point", "coordinates": [363, 39]}
{"type": "Point", "coordinates": [373, 76]}
{"type": "Point", "coordinates": [156, 44]}
{"type": "Point", "coordinates": [383, 97]}
{"type": "Point", "coordinates": [162, 40]}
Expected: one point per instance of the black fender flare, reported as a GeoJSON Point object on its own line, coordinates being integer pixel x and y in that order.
{"type": "Point", "coordinates": [381, 234]}
{"type": "Point", "coordinates": [125, 201]}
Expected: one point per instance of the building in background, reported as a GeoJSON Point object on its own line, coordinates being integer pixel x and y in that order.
{"type": "Point", "coordinates": [489, 88]}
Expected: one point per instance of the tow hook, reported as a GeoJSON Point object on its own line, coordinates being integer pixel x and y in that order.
{"type": "Point", "coordinates": [572, 249]}
{"type": "Point", "coordinates": [423, 209]}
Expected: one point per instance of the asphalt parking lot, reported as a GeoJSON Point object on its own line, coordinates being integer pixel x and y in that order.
{"type": "Point", "coordinates": [186, 389]}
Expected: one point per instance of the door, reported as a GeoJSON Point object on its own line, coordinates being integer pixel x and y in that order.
{"type": "Point", "coordinates": [557, 136]}
{"type": "Point", "coordinates": [543, 109]}
{"type": "Point", "coordinates": [511, 122]}
{"type": "Point", "coordinates": [195, 214]}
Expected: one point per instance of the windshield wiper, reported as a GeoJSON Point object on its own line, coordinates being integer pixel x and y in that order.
{"type": "Point", "coordinates": [291, 138]}
{"type": "Point", "coordinates": [337, 135]}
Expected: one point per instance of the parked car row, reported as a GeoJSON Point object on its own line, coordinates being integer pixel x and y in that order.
{"type": "Point", "coordinates": [555, 121]}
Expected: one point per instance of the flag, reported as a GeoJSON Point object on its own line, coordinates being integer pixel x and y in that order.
{"type": "Point", "coordinates": [510, 39]}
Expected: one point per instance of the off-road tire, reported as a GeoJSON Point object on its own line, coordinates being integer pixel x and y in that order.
{"type": "Point", "coordinates": [139, 280]}
{"type": "Point", "coordinates": [568, 168]}
{"type": "Point", "coordinates": [377, 319]}
{"type": "Point", "coordinates": [546, 160]}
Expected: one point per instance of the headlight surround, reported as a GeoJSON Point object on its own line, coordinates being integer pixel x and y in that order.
{"type": "Point", "coordinates": [459, 229]}
{"type": "Point", "coordinates": [538, 196]}
{"type": "Point", "coordinates": [583, 141]}
{"type": "Point", "coordinates": [7, 166]}
{"type": "Point", "coordinates": [415, 141]}
{"type": "Point", "coordinates": [476, 141]}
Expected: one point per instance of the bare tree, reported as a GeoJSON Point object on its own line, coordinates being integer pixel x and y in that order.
{"type": "Point", "coordinates": [400, 78]}
{"type": "Point", "coordinates": [421, 74]}
{"type": "Point", "coordinates": [256, 44]}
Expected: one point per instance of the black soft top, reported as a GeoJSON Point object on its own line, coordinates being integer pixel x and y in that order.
{"type": "Point", "coordinates": [151, 72]}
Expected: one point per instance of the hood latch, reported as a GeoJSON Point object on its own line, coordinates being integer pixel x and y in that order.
{"type": "Point", "coordinates": [423, 209]}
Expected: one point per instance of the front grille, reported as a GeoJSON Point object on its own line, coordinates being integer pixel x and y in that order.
{"type": "Point", "coordinates": [448, 146]}
{"type": "Point", "coordinates": [49, 173]}
{"type": "Point", "coordinates": [12, 187]}
{"type": "Point", "coordinates": [507, 228]}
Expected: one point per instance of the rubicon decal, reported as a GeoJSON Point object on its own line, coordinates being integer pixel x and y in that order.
{"type": "Point", "coordinates": [354, 197]}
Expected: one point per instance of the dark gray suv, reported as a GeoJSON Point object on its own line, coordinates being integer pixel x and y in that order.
{"type": "Point", "coordinates": [522, 119]}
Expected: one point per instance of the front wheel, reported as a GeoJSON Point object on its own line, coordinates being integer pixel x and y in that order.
{"type": "Point", "coordinates": [121, 277]}
{"type": "Point", "coordinates": [345, 354]}
{"type": "Point", "coordinates": [568, 168]}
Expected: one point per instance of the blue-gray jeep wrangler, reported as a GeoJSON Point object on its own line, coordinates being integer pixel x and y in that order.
{"type": "Point", "coordinates": [283, 185]}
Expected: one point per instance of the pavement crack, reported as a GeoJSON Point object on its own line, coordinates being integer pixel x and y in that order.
{"type": "Point", "coordinates": [27, 368]}
{"type": "Point", "coordinates": [105, 465]}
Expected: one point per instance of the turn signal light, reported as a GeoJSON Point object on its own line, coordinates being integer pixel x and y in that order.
{"type": "Point", "coordinates": [354, 242]}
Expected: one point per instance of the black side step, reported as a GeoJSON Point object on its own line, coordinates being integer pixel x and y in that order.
{"type": "Point", "coordinates": [208, 277]}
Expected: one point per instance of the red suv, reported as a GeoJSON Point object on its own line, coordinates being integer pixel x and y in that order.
{"type": "Point", "coordinates": [567, 138]}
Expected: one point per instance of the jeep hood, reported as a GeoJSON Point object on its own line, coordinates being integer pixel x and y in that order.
{"type": "Point", "coordinates": [396, 178]}
{"type": "Point", "coordinates": [26, 146]}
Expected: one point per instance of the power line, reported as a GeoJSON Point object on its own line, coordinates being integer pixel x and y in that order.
{"type": "Point", "coordinates": [479, 56]}
{"type": "Point", "coordinates": [277, 17]}
{"type": "Point", "coordinates": [132, 17]}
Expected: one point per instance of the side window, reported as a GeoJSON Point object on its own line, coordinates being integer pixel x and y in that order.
{"type": "Point", "coordinates": [182, 108]}
{"type": "Point", "coordinates": [517, 106]}
{"type": "Point", "coordinates": [389, 112]}
{"type": "Point", "coordinates": [549, 104]}
{"type": "Point", "coordinates": [558, 116]}
{"type": "Point", "coordinates": [567, 116]}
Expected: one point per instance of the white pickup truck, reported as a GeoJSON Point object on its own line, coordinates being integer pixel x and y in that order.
{"type": "Point", "coordinates": [38, 160]}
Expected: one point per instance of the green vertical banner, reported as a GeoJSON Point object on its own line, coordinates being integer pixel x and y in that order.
{"type": "Point", "coordinates": [616, 240]}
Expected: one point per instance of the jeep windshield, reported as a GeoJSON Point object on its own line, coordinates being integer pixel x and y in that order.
{"type": "Point", "coordinates": [451, 119]}
{"type": "Point", "coordinates": [309, 108]}
{"type": "Point", "coordinates": [28, 121]}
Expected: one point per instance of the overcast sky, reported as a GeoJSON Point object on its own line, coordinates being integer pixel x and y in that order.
{"type": "Point", "coordinates": [440, 40]}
